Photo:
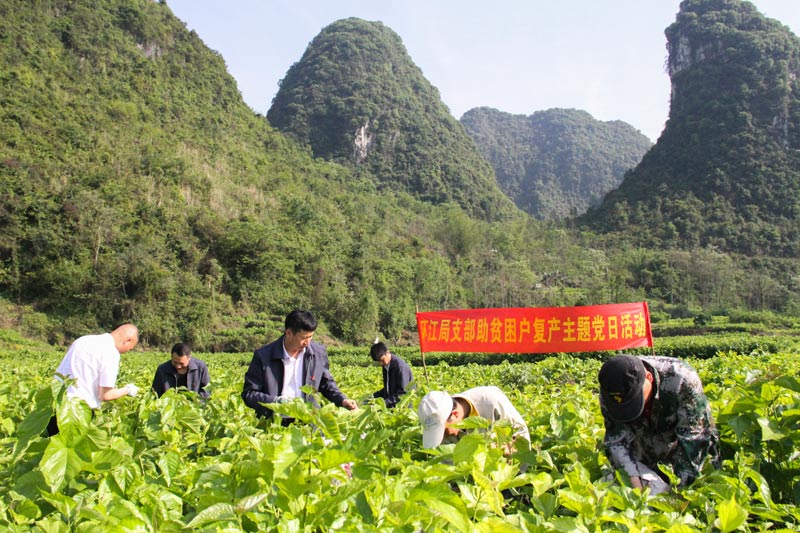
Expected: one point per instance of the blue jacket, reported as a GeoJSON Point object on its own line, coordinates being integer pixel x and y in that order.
{"type": "Point", "coordinates": [263, 381]}
{"type": "Point", "coordinates": [196, 377]}
{"type": "Point", "coordinates": [396, 379]}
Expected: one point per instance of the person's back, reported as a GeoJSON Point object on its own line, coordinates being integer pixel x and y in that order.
{"type": "Point", "coordinates": [492, 404]}
{"type": "Point", "coordinates": [655, 410]}
{"type": "Point", "coordinates": [440, 413]}
{"type": "Point", "coordinates": [93, 361]}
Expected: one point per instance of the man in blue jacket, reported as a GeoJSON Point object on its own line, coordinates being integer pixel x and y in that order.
{"type": "Point", "coordinates": [182, 370]}
{"type": "Point", "coordinates": [279, 370]}
{"type": "Point", "coordinates": [396, 374]}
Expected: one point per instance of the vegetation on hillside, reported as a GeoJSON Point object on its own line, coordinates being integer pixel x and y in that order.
{"type": "Point", "coordinates": [136, 185]}
{"type": "Point", "coordinates": [356, 97]}
{"type": "Point", "coordinates": [556, 163]}
{"type": "Point", "coordinates": [725, 172]}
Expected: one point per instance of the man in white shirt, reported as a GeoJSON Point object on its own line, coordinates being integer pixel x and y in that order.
{"type": "Point", "coordinates": [439, 413]}
{"type": "Point", "coordinates": [93, 362]}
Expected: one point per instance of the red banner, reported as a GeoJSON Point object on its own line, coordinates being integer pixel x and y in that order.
{"type": "Point", "coordinates": [589, 328]}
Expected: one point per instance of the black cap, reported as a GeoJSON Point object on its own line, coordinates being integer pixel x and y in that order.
{"type": "Point", "coordinates": [621, 387]}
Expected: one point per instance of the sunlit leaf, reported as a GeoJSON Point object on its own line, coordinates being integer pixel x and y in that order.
{"type": "Point", "coordinates": [215, 513]}
{"type": "Point", "coordinates": [769, 430]}
{"type": "Point", "coordinates": [249, 502]}
{"type": "Point", "coordinates": [59, 463]}
{"type": "Point", "coordinates": [730, 516]}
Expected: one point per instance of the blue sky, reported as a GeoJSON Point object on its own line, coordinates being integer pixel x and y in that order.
{"type": "Point", "coordinates": [519, 56]}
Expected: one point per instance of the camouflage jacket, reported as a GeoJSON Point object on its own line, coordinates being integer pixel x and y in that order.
{"type": "Point", "coordinates": [676, 428]}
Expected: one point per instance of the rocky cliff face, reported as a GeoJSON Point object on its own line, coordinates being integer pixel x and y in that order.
{"type": "Point", "coordinates": [726, 170]}
{"type": "Point", "coordinates": [729, 40]}
{"type": "Point", "coordinates": [357, 98]}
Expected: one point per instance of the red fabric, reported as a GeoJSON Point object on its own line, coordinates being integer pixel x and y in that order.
{"type": "Point", "coordinates": [588, 328]}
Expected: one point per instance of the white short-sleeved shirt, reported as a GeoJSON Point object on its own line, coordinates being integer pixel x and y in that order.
{"type": "Point", "coordinates": [93, 360]}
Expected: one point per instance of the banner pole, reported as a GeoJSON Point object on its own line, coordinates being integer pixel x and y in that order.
{"type": "Point", "coordinates": [649, 328]}
{"type": "Point", "coordinates": [424, 366]}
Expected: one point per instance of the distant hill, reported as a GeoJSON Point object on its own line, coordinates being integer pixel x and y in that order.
{"type": "Point", "coordinates": [357, 98]}
{"type": "Point", "coordinates": [554, 164]}
{"type": "Point", "coordinates": [726, 170]}
{"type": "Point", "coordinates": [135, 184]}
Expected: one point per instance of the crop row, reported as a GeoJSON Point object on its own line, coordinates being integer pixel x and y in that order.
{"type": "Point", "coordinates": [175, 463]}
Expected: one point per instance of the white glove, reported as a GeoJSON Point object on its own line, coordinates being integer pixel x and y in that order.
{"type": "Point", "coordinates": [132, 389]}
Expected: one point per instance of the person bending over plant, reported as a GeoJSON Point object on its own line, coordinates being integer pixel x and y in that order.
{"type": "Point", "coordinates": [439, 414]}
{"type": "Point", "coordinates": [655, 411]}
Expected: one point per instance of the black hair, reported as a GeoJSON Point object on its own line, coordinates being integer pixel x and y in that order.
{"type": "Point", "coordinates": [377, 351]}
{"type": "Point", "coordinates": [181, 349]}
{"type": "Point", "coordinates": [300, 320]}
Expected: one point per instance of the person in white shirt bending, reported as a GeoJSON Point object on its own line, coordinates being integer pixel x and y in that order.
{"type": "Point", "coordinates": [93, 362]}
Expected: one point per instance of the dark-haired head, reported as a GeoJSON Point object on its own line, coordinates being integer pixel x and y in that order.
{"type": "Point", "coordinates": [300, 320]}
{"type": "Point", "coordinates": [377, 351]}
{"type": "Point", "coordinates": [181, 349]}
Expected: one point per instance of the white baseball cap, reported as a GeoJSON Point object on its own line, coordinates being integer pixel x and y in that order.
{"type": "Point", "coordinates": [433, 411]}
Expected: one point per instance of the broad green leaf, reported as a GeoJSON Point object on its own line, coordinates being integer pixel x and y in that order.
{"type": "Point", "coordinates": [107, 459]}
{"type": "Point", "coordinates": [730, 516]}
{"type": "Point", "coordinates": [123, 509]}
{"type": "Point", "coordinates": [169, 464]}
{"type": "Point", "coordinates": [545, 504]}
{"type": "Point", "coordinates": [444, 502]}
{"type": "Point", "coordinates": [23, 510]}
{"type": "Point", "coordinates": [489, 494]}
{"type": "Point", "coordinates": [541, 482]}
{"type": "Point", "coordinates": [62, 503]}
{"type": "Point", "coordinates": [467, 447]}
{"type": "Point", "coordinates": [34, 424]}
{"type": "Point", "coordinates": [762, 487]}
{"type": "Point", "coordinates": [579, 503]}
{"type": "Point", "coordinates": [214, 472]}
{"type": "Point", "coordinates": [215, 513]}
{"type": "Point", "coordinates": [52, 524]}
{"type": "Point", "coordinates": [452, 513]}
{"type": "Point", "coordinates": [249, 502]}
{"type": "Point", "coordinates": [494, 524]}
{"type": "Point", "coordinates": [59, 463]}
{"type": "Point", "coordinates": [333, 458]}
{"type": "Point", "coordinates": [124, 475]}
{"type": "Point", "coordinates": [282, 454]}
{"type": "Point", "coordinates": [568, 524]}
{"type": "Point", "coordinates": [788, 382]}
{"type": "Point", "coordinates": [769, 430]}
{"type": "Point", "coordinates": [329, 424]}
{"type": "Point", "coordinates": [30, 484]}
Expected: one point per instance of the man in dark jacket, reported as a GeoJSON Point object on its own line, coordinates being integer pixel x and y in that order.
{"type": "Point", "coordinates": [182, 370]}
{"type": "Point", "coordinates": [279, 370]}
{"type": "Point", "coordinates": [396, 374]}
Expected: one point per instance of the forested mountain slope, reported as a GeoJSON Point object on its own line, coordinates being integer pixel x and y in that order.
{"type": "Point", "coordinates": [554, 164]}
{"type": "Point", "coordinates": [726, 170]}
{"type": "Point", "coordinates": [357, 98]}
{"type": "Point", "coordinates": [135, 184]}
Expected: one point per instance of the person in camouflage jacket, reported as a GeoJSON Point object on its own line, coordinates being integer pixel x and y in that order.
{"type": "Point", "coordinates": [655, 411]}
